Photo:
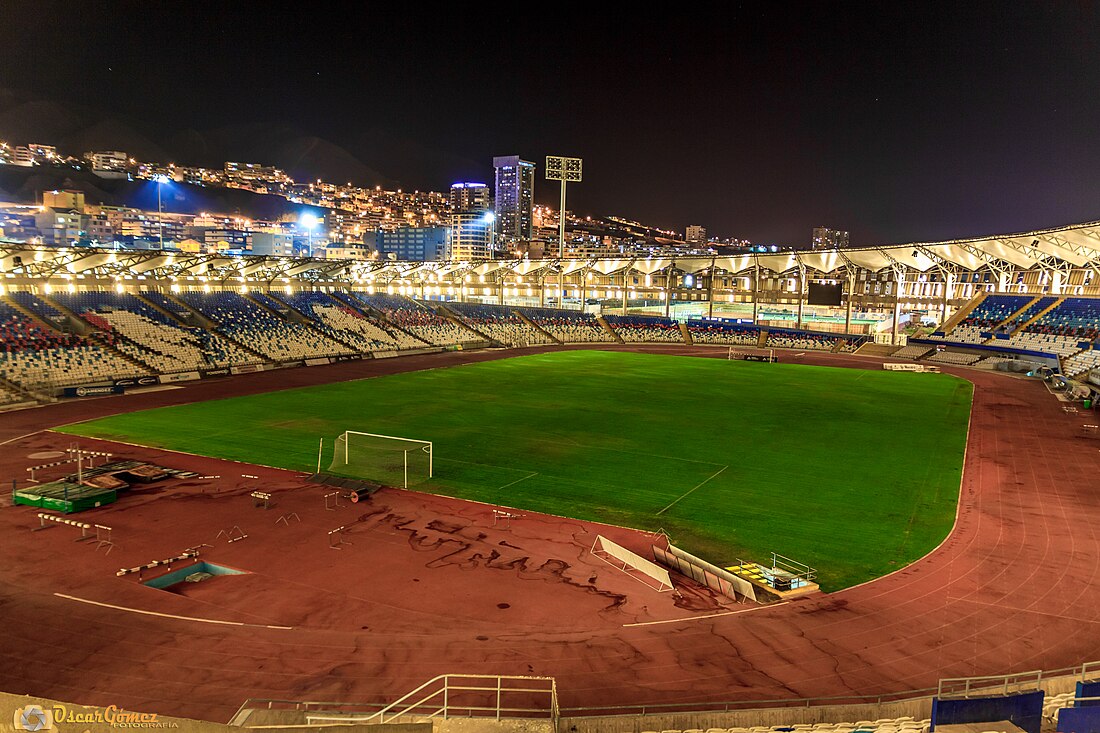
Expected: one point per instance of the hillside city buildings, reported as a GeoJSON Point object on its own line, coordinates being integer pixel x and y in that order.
{"type": "Point", "coordinates": [471, 220]}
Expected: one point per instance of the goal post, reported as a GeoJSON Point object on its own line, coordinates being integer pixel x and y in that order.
{"type": "Point", "coordinates": [386, 459]}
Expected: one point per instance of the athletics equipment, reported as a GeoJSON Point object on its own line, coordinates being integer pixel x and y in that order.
{"type": "Point", "coordinates": [387, 459]}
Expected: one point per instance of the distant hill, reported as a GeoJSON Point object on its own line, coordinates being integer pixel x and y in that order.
{"type": "Point", "coordinates": [24, 185]}
{"type": "Point", "coordinates": [75, 129]}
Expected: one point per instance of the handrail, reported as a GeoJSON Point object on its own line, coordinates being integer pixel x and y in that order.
{"type": "Point", "coordinates": [556, 711]}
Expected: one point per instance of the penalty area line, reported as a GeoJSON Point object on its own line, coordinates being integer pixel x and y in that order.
{"type": "Point", "coordinates": [523, 478]}
{"type": "Point", "coordinates": [709, 615]}
{"type": "Point", "coordinates": [172, 615]}
{"type": "Point", "coordinates": [693, 488]}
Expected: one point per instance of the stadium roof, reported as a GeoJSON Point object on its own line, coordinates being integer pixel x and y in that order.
{"type": "Point", "coordinates": [1061, 249]}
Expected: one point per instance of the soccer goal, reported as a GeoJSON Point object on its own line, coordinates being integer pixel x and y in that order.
{"type": "Point", "coordinates": [386, 459]}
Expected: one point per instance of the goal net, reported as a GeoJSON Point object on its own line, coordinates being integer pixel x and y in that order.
{"type": "Point", "coordinates": [385, 459]}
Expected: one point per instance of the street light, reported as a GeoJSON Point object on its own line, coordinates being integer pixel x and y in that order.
{"type": "Point", "coordinates": [160, 179]}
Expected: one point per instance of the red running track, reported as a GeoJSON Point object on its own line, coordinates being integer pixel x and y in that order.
{"type": "Point", "coordinates": [428, 585]}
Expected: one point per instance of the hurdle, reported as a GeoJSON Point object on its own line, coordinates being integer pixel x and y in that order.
{"type": "Point", "coordinates": [338, 534]}
{"type": "Point", "coordinates": [261, 497]}
{"type": "Point", "coordinates": [189, 554]}
{"type": "Point", "coordinates": [504, 518]}
{"type": "Point", "coordinates": [84, 527]}
{"type": "Point", "coordinates": [1090, 431]}
{"type": "Point", "coordinates": [285, 519]}
{"type": "Point", "coordinates": [103, 539]}
{"type": "Point", "coordinates": [332, 501]}
{"type": "Point", "coordinates": [230, 536]}
{"type": "Point", "coordinates": [248, 475]}
{"type": "Point", "coordinates": [79, 457]}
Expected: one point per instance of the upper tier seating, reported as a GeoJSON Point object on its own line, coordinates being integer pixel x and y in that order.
{"type": "Point", "coordinates": [344, 323]}
{"type": "Point", "coordinates": [1036, 307]}
{"type": "Point", "coordinates": [40, 308]}
{"type": "Point", "coordinates": [1073, 317]}
{"type": "Point", "coordinates": [708, 332]}
{"type": "Point", "coordinates": [646, 329]}
{"type": "Point", "coordinates": [568, 326]}
{"type": "Point", "coordinates": [1064, 330]}
{"type": "Point", "coordinates": [498, 323]}
{"type": "Point", "coordinates": [994, 309]}
{"type": "Point", "coordinates": [166, 303]}
{"type": "Point", "coordinates": [263, 331]}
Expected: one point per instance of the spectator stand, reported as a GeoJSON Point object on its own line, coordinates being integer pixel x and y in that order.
{"type": "Point", "coordinates": [645, 329]}
{"type": "Point", "coordinates": [417, 320]}
{"type": "Point", "coordinates": [1012, 703]}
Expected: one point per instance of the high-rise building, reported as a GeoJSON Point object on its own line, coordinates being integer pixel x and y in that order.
{"type": "Point", "coordinates": [471, 234]}
{"type": "Point", "coordinates": [696, 234]}
{"type": "Point", "coordinates": [515, 197]}
{"type": "Point", "coordinates": [826, 238]}
{"type": "Point", "coordinates": [467, 196]}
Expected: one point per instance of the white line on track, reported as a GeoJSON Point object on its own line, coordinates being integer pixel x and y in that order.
{"type": "Point", "coordinates": [171, 615]}
{"type": "Point", "coordinates": [12, 440]}
{"type": "Point", "coordinates": [709, 615]}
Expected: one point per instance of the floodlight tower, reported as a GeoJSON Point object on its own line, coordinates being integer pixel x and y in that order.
{"type": "Point", "coordinates": [566, 170]}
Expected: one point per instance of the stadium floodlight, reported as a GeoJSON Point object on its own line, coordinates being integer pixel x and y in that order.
{"type": "Point", "coordinates": [160, 180]}
{"type": "Point", "coordinates": [566, 170]}
{"type": "Point", "coordinates": [308, 222]}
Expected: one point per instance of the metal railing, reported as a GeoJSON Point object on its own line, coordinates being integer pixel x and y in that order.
{"type": "Point", "coordinates": [445, 696]}
{"type": "Point", "coordinates": [362, 712]}
{"type": "Point", "coordinates": [1004, 684]}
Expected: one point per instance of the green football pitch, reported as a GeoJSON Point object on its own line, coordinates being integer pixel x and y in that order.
{"type": "Point", "coordinates": [854, 472]}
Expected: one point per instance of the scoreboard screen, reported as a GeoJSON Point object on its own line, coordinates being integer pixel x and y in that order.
{"type": "Point", "coordinates": [821, 293]}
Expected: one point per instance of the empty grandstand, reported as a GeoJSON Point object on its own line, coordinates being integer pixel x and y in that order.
{"type": "Point", "coordinates": [260, 330]}
{"type": "Point", "coordinates": [499, 323]}
{"type": "Point", "coordinates": [567, 326]}
{"type": "Point", "coordinates": [418, 320]}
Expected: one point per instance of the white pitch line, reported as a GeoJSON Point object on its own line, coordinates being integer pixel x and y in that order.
{"type": "Point", "coordinates": [535, 473]}
{"type": "Point", "coordinates": [693, 488]}
{"type": "Point", "coordinates": [171, 615]}
{"type": "Point", "coordinates": [709, 615]}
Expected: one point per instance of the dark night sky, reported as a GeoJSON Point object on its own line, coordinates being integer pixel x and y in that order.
{"type": "Point", "coordinates": [897, 121]}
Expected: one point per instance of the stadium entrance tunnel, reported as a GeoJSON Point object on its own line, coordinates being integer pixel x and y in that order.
{"type": "Point", "coordinates": [194, 573]}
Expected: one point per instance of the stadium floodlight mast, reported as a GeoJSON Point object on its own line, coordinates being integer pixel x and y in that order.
{"type": "Point", "coordinates": [566, 170]}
